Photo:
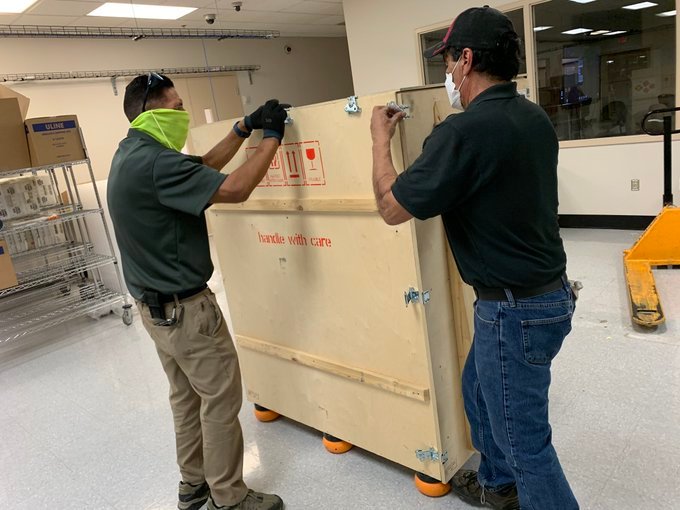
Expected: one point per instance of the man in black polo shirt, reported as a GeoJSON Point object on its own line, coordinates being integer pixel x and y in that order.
{"type": "Point", "coordinates": [157, 197]}
{"type": "Point", "coordinates": [491, 173]}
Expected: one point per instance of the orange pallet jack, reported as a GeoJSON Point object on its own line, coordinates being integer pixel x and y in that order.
{"type": "Point", "coordinates": [659, 245]}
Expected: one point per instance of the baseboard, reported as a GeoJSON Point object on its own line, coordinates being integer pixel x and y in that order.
{"type": "Point", "coordinates": [615, 222]}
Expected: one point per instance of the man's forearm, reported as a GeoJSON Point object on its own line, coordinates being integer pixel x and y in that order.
{"type": "Point", "coordinates": [222, 153]}
{"type": "Point", "coordinates": [242, 181]}
{"type": "Point", "coordinates": [384, 173]}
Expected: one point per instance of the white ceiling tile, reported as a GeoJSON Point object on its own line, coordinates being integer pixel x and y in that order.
{"type": "Point", "coordinates": [96, 21]}
{"type": "Point", "coordinates": [189, 3]}
{"type": "Point", "coordinates": [62, 8]}
{"type": "Point", "coordinates": [314, 7]}
{"type": "Point", "coordinates": [258, 5]}
{"type": "Point", "coordinates": [252, 17]}
{"type": "Point", "coordinates": [31, 19]}
{"type": "Point", "coordinates": [154, 23]}
{"type": "Point", "coordinates": [228, 16]}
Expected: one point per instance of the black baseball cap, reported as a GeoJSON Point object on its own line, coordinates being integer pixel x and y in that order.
{"type": "Point", "coordinates": [479, 28]}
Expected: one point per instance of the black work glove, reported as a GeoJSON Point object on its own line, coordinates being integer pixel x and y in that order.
{"type": "Point", "coordinates": [254, 120]}
{"type": "Point", "coordinates": [274, 119]}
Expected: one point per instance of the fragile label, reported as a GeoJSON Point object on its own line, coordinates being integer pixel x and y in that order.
{"type": "Point", "coordinates": [295, 164]}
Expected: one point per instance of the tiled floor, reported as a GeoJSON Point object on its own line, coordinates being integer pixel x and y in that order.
{"type": "Point", "coordinates": [85, 424]}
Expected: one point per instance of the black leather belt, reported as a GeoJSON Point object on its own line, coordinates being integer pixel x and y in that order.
{"type": "Point", "coordinates": [497, 294]}
{"type": "Point", "coordinates": [170, 298]}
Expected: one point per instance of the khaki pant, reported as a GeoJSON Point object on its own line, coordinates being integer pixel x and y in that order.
{"type": "Point", "coordinates": [199, 358]}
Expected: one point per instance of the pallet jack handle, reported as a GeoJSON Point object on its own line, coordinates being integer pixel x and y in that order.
{"type": "Point", "coordinates": [649, 126]}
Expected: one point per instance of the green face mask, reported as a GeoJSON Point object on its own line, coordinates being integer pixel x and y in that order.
{"type": "Point", "coordinates": [168, 127]}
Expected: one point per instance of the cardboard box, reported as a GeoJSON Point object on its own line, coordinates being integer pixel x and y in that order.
{"type": "Point", "coordinates": [13, 145]}
{"type": "Point", "coordinates": [8, 277]}
{"type": "Point", "coordinates": [54, 140]}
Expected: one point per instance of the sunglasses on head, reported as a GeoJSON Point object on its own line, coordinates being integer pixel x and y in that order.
{"type": "Point", "coordinates": [154, 81]}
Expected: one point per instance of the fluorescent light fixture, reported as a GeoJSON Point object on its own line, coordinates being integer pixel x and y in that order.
{"type": "Point", "coordinates": [15, 6]}
{"type": "Point", "coordinates": [577, 31]}
{"type": "Point", "coordinates": [599, 32]}
{"type": "Point", "coordinates": [540, 29]}
{"type": "Point", "coordinates": [582, 1]}
{"type": "Point", "coordinates": [617, 32]}
{"type": "Point", "coordinates": [666, 14]}
{"type": "Point", "coordinates": [141, 11]}
{"type": "Point", "coordinates": [641, 5]}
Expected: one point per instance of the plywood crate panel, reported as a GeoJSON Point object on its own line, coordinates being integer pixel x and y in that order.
{"type": "Point", "coordinates": [315, 283]}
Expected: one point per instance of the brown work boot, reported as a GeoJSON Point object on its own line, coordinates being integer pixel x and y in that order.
{"type": "Point", "coordinates": [465, 485]}
{"type": "Point", "coordinates": [253, 501]}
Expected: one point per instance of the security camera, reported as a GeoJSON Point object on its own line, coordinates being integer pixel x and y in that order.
{"type": "Point", "coordinates": [210, 18]}
{"type": "Point", "coordinates": [237, 6]}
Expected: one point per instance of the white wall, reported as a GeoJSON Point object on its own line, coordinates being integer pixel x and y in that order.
{"type": "Point", "coordinates": [317, 70]}
{"type": "Point", "coordinates": [384, 52]}
{"type": "Point", "coordinates": [596, 180]}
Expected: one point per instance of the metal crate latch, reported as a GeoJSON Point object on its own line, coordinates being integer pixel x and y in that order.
{"type": "Point", "coordinates": [432, 455]}
{"type": "Point", "coordinates": [352, 105]}
{"type": "Point", "coordinates": [395, 107]}
{"type": "Point", "coordinates": [414, 296]}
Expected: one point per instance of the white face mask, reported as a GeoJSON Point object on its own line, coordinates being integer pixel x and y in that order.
{"type": "Point", "coordinates": [452, 90]}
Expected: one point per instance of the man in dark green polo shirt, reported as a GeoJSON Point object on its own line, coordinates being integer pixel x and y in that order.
{"type": "Point", "coordinates": [157, 197]}
{"type": "Point", "coordinates": [491, 173]}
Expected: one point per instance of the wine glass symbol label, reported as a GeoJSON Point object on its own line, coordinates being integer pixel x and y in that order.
{"type": "Point", "coordinates": [310, 153]}
{"type": "Point", "coordinates": [311, 156]}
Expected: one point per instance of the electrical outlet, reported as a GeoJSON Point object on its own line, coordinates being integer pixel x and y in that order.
{"type": "Point", "coordinates": [635, 184]}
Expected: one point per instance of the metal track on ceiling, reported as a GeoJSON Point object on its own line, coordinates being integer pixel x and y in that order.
{"type": "Point", "coordinates": [70, 75]}
{"type": "Point", "coordinates": [47, 31]}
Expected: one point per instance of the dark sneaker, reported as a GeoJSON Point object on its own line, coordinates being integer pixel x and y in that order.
{"type": "Point", "coordinates": [192, 497]}
{"type": "Point", "coordinates": [465, 485]}
{"type": "Point", "coordinates": [253, 501]}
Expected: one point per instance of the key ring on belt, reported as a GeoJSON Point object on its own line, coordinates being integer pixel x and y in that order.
{"type": "Point", "coordinates": [175, 318]}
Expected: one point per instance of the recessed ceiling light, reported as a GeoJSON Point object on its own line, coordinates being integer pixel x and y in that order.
{"type": "Point", "coordinates": [141, 11]}
{"type": "Point", "coordinates": [617, 32]}
{"type": "Point", "coordinates": [666, 14]}
{"type": "Point", "coordinates": [582, 1]}
{"type": "Point", "coordinates": [540, 29]}
{"type": "Point", "coordinates": [610, 61]}
{"type": "Point", "coordinates": [576, 31]}
{"type": "Point", "coordinates": [641, 5]}
{"type": "Point", "coordinates": [599, 32]}
{"type": "Point", "coordinates": [15, 6]}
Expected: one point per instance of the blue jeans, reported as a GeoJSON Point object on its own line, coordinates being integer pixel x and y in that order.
{"type": "Point", "coordinates": [505, 388]}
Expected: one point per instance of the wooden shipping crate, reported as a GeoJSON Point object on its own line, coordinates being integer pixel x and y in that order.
{"type": "Point", "coordinates": [316, 285]}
